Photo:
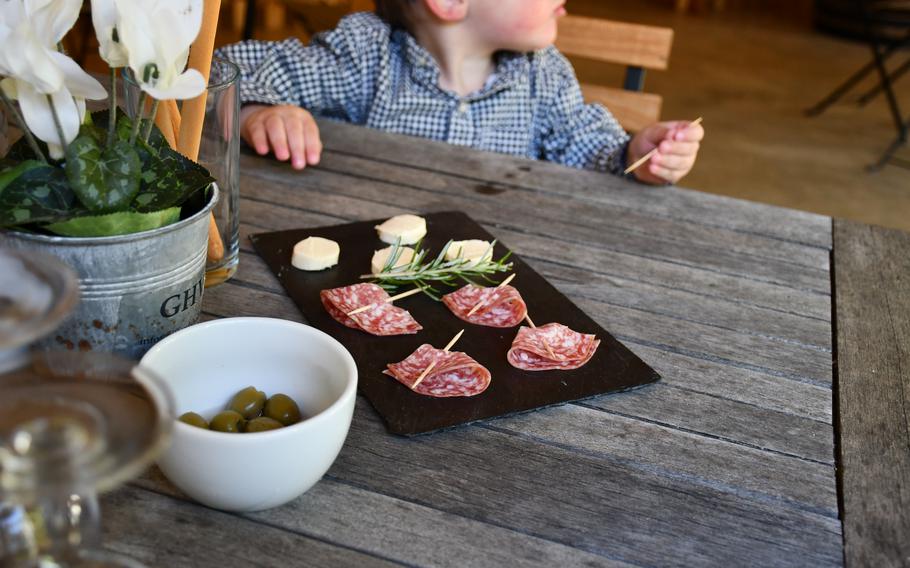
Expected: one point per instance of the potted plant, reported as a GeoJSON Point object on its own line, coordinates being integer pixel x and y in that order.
{"type": "Point", "coordinates": [106, 192]}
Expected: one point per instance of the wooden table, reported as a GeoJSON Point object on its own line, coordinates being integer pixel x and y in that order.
{"type": "Point", "coordinates": [729, 461]}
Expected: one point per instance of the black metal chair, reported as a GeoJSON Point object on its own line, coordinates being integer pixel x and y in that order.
{"type": "Point", "coordinates": [885, 26]}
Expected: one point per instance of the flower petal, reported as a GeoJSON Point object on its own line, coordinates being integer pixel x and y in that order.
{"type": "Point", "coordinates": [31, 62]}
{"type": "Point", "coordinates": [53, 18]}
{"type": "Point", "coordinates": [36, 110]}
{"type": "Point", "coordinates": [104, 20]}
{"type": "Point", "coordinates": [187, 85]}
{"type": "Point", "coordinates": [80, 83]}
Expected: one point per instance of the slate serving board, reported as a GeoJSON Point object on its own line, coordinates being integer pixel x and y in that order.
{"type": "Point", "coordinates": [613, 367]}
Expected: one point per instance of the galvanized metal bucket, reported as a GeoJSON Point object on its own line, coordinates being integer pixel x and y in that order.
{"type": "Point", "coordinates": [134, 289]}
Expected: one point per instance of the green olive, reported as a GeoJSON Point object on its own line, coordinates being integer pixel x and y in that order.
{"type": "Point", "coordinates": [261, 424]}
{"type": "Point", "coordinates": [280, 407]}
{"type": "Point", "coordinates": [228, 421]}
{"type": "Point", "coordinates": [194, 419]}
{"type": "Point", "coordinates": [248, 402]}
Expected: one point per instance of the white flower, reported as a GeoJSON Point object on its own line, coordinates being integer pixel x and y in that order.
{"type": "Point", "coordinates": [104, 18]}
{"type": "Point", "coordinates": [38, 75]}
{"type": "Point", "coordinates": [157, 35]}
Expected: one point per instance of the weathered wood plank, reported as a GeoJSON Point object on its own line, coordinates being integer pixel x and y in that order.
{"type": "Point", "coordinates": [400, 530]}
{"type": "Point", "coordinates": [725, 313]}
{"type": "Point", "coordinates": [236, 298]}
{"type": "Point", "coordinates": [164, 531]}
{"type": "Point", "coordinates": [751, 351]}
{"type": "Point", "coordinates": [700, 459]}
{"type": "Point", "coordinates": [645, 517]}
{"type": "Point", "coordinates": [565, 221]}
{"type": "Point", "coordinates": [739, 384]}
{"type": "Point", "coordinates": [607, 268]}
{"type": "Point", "coordinates": [731, 421]}
{"type": "Point", "coordinates": [872, 289]}
{"type": "Point", "coordinates": [712, 210]}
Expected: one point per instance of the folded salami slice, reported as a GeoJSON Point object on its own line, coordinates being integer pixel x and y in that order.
{"type": "Point", "coordinates": [455, 373]}
{"type": "Point", "coordinates": [570, 348]}
{"type": "Point", "coordinates": [382, 318]}
{"type": "Point", "coordinates": [502, 306]}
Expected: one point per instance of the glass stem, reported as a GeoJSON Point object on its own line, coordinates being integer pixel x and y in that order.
{"type": "Point", "coordinates": [22, 126]}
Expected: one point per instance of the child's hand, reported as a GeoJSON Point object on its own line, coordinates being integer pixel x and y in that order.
{"type": "Point", "coordinates": [678, 146]}
{"type": "Point", "coordinates": [289, 131]}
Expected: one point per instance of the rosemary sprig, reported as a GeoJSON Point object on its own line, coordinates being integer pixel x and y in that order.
{"type": "Point", "coordinates": [424, 273]}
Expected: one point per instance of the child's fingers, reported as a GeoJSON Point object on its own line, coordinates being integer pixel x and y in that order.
{"type": "Point", "coordinates": [679, 148]}
{"type": "Point", "coordinates": [278, 137]}
{"type": "Point", "coordinates": [689, 133]}
{"type": "Point", "coordinates": [296, 141]}
{"type": "Point", "coordinates": [258, 138]}
{"type": "Point", "coordinates": [313, 141]}
{"type": "Point", "coordinates": [665, 174]}
{"type": "Point", "coordinates": [673, 162]}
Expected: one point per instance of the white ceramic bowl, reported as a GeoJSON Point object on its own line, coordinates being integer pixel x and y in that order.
{"type": "Point", "coordinates": [206, 364]}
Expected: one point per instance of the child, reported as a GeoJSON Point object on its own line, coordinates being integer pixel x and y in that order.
{"type": "Point", "coordinates": [479, 73]}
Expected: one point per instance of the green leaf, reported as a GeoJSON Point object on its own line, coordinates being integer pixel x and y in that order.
{"type": "Point", "coordinates": [10, 173]}
{"type": "Point", "coordinates": [39, 195]}
{"type": "Point", "coordinates": [169, 179]}
{"type": "Point", "coordinates": [124, 128]}
{"type": "Point", "coordinates": [106, 178]}
{"type": "Point", "coordinates": [121, 223]}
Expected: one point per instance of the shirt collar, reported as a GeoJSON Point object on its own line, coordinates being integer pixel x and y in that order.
{"type": "Point", "coordinates": [511, 67]}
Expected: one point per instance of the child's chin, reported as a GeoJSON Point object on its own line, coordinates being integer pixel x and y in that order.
{"type": "Point", "coordinates": [535, 44]}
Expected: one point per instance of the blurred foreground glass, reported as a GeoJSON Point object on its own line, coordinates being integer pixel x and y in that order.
{"type": "Point", "coordinates": [219, 152]}
{"type": "Point", "coordinates": [72, 424]}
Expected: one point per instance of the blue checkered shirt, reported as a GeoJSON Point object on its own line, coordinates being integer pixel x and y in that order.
{"type": "Point", "coordinates": [365, 73]}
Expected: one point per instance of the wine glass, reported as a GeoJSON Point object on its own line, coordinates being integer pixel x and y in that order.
{"type": "Point", "coordinates": [36, 293]}
{"type": "Point", "coordinates": [72, 424]}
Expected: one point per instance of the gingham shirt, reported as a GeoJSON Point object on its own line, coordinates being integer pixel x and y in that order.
{"type": "Point", "coordinates": [365, 73]}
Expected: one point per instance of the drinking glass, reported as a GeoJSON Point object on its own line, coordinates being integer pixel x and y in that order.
{"type": "Point", "coordinates": [219, 153]}
{"type": "Point", "coordinates": [72, 424]}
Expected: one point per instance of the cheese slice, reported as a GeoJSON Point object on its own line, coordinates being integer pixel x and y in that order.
{"type": "Point", "coordinates": [315, 253]}
{"type": "Point", "coordinates": [473, 250]}
{"type": "Point", "coordinates": [409, 228]}
{"type": "Point", "coordinates": [381, 257]}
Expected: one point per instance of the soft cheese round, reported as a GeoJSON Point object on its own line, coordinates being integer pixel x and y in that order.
{"type": "Point", "coordinates": [381, 256]}
{"type": "Point", "coordinates": [472, 250]}
{"type": "Point", "coordinates": [315, 253]}
{"type": "Point", "coordinates": [409, 228]}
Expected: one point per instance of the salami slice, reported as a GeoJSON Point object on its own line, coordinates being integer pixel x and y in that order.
{"type": "Point", "coordinates": [502, 306]}
{"type": "Point", "coordinates": [381, 319]}
{"type": "Point", "coordinates": [570, 349]}
{"type": "Point", "coordinates": [455, 373]}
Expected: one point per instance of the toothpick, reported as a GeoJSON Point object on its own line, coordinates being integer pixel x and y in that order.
{"type": "Point", "coordinates": [545, 344]}
{"type": "Point", "coordinates": [648, 156]}
{"type": "Point", "coordinates": [484, 300]}
{"type": "Point", "coordinates": [433, 363]}
{"type": "Point", "coordinates": [386, 301]}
